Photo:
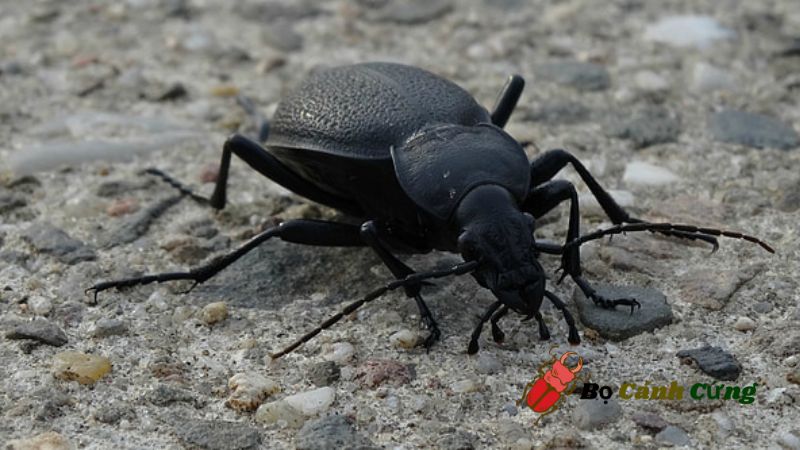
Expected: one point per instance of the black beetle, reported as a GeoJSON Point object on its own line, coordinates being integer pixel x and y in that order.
{"type": "Point", "coordinates": [424, 167]}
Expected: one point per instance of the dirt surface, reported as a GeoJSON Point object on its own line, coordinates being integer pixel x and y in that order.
{"type": "Point", "coordinates": [696, 124]}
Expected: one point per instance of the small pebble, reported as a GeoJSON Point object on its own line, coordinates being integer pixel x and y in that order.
{"type": "Point", "coordinates": [593, 414]}
{"type": "Point", "coordinates": [649, 421]}
{"type": "Point", "coordinates": [341, 352]}
{"type": "Point", "coordinates": [165, 395]}
{"type": "Point", "coordinates": [642, 173]}
{"type": "Point", "coordinates": [752, 130]}
{"type": "Point", "coordinates": [374, 372]}
{"type": "Point", "coordinates": [687, 31]}
{"type": "Point", "coordinates": [52, 241]}
{"type": "Point", "coordinates": [109, 327]}
{"type": "Point", "coordinates": [404, 339]}
{"type": "Point", "coordinates": [40, 306]}
{"type": "Point", "coordinates": [744, 324]}
{"type": "Point", "coordinates": [331, 432]}
{"type": "Point", "coordinates": [313, 402]}
{"type": "Point", "coordinates": [45, 441]}
{"type": "Point", "coordinates": [324, 373]}
{"type": "Point", "coordinates": [40, 330]}
{"type": "Point", "coordinates": [789, 440]}
{"type": "Point", "coordinates": [214, 312]}
{"type": "Point", "coordinates": [579, 75]}
{"type": "Point", "coordinates": [225, 90]}
{"type": "Point", "coordinates": [216, 434]}
{"type": "Point", "coordinates": [80, 367]}
{"type": "Point", "coordinates": [715, 362]}
{"type": "Point", "coordinates": [249, 391]}
{"type": "Point", "coordinates": [613, 324]}
{"type": "Point", "coordinates": [412, 12]}
{"type": "Point", "coordinates": [464, 386]}
{"type": "Point", "coordinates": [280, 412]}
{"type": "Point", "coordinates": [511, 409]}
{"type": "Point", "coordinates": [673, 435]}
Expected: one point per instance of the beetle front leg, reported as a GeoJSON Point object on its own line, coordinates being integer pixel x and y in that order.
{"type": "Point", "coordinates": [544, 198]}
{"type": "Point", "coordinates": [371, 235]}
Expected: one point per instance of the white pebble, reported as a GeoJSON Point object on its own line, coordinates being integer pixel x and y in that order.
{"type": "Point", "coordinates": [707, 78]}
{"type": "Point", "coordinates": [280, 412]}
{"type": "Point", "coordinates": [649, 81]}
{"type": "Point", "coordinates": [313, 402]}
{"type": "Point", "coordinates": [404, 339]}
{"type": "Point", "coordinates": [791, 361]}
{"type": "Point", "coordinates": [250, 390]}
{"type": "Point", "coordinates": [466, 385]}
{"type": "Point", "coordinates": [639, 172]}
{"type": "Point", "coordinates": [744, 324]}
{"type": "Point", "coordinates": [687, 31]}
{"type": "Point", "coordinates": [40, 305]}
{"type": "Point", "coordinates": [789, 440]}
{"type": "Point", "coordinates": [341, 352]}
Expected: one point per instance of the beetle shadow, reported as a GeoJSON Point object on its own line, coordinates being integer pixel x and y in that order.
{"type": "Point", "coordinates": [277, 273]}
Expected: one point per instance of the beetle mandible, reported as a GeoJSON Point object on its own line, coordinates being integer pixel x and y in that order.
{"type": "Point", "coordinates": [424, 167]}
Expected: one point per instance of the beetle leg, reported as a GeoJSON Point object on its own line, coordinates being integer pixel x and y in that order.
{"type": "Point", "coordinates": [266, 164]}
{"type": "Point", "coordinates": [497, 333]}
{"type": "Point", "coordinates": [308, 232]}
{"type": "Point", "coordinates": [549, 163]}
{"type": "Point", "coordinates": [472, 348]}
{"type": "Point", "coordinates": [507, 100]}
{"type": "Point", "coordinates": [370, 233]}
{"type": "Point", "coordinates": [544, 198]}
{"type": "Point", "coordinates": [574, 337]}
{"type": "Point", "coordinates": [544, 333]}
{"type": "Point", "coordinates": [601, 301]}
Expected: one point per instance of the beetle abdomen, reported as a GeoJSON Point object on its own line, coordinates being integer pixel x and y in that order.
{"type": "Point", "coordinates": [362, 110]}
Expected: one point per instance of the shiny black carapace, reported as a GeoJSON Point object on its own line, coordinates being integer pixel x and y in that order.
{"type": "Point", "coordinates": [424, 167]}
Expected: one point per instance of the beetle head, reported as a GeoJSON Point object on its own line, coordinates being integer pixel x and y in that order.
{"type": "Point", "coordinates": [494, 231]}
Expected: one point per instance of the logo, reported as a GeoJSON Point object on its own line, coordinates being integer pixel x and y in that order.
{"type": "Point", "coordinates": [556, 379]}
{"type": "Point", "coordinates": [545, 393]}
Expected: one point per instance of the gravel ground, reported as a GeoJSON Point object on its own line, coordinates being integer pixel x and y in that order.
{"type": "Point", "coordinates": [687, 110]}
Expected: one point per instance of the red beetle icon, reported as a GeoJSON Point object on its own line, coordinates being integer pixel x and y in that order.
{"type": "Point", "coordinates": [543, 395]}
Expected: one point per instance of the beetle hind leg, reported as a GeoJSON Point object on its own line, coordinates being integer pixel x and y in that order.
{"type": "Point", "coordinates": [371, 234]}
{"type": "Point", "coordinates": [507, 100]}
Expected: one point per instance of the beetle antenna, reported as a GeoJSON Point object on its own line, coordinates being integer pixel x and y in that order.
{"type": "Point", "coordinates": [458, 269]}
{"type": "Point", "coordinates": [663, 226]}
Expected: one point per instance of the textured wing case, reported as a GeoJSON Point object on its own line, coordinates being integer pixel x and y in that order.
{"type": "Point", "coordinates": [362, 110]}
{"type": "Point", "coordinates": [444, 162]}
